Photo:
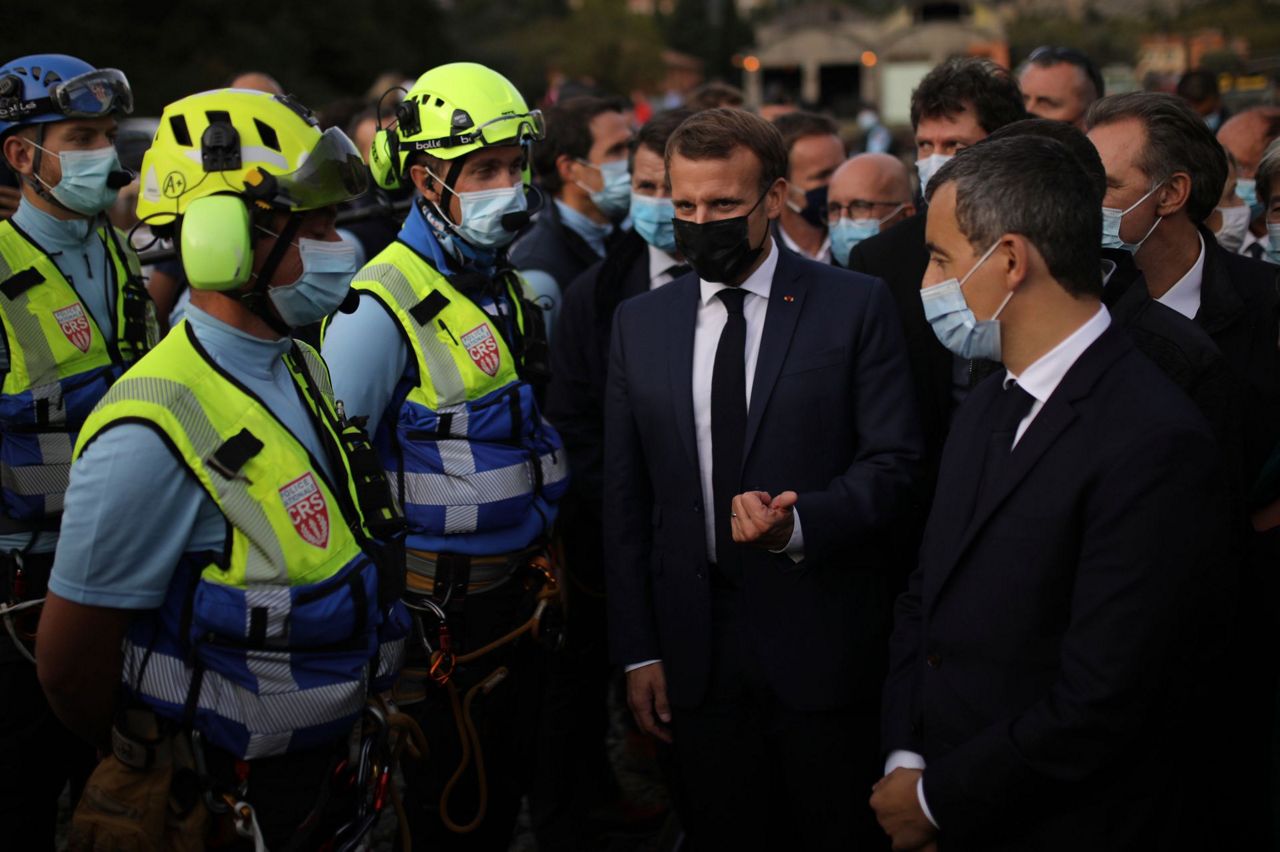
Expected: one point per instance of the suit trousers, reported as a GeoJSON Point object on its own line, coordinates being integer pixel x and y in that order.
{"type": "Point", "coordinates": [755, 773]}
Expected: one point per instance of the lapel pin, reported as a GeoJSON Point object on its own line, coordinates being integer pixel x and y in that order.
{"type": "Point", "coordinates": [788, 298]}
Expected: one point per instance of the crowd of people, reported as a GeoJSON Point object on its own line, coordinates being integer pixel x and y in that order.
{"type": "Point", "coordinates": [924, 511]}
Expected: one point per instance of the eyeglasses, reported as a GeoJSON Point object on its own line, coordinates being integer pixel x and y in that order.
{"type": "Point", "coordinates": [857, 209]}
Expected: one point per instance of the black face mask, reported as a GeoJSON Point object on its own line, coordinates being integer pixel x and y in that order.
{"type": "Point", "coordinates": [815, 209]}
{"type": "Point", "coordinates": [718, 251]}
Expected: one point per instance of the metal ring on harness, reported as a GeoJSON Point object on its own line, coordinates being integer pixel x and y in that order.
{"type": "Point", "coordinates": [7, 611]}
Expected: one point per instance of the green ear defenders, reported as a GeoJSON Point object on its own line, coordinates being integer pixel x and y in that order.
{"type": "Point", "coordinates": [215, 243]}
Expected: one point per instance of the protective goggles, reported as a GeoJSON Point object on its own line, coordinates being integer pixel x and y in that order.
{"type": "Point", "coordinates": [333, 172]}
{"type": "Point", "coordinates": [90, 95]}
{"type": "Point", "coordinates": [503, 130]}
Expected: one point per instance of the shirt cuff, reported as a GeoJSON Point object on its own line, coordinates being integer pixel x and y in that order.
{"type": "Point", "coordinates": [903, 759]}
{"type": "Point", "coordinates": [635, 666]}
{"type": "Point", "coordinates": [795, 545]}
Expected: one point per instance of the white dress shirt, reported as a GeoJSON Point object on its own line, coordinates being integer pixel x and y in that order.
{"type": "Point", "coordinates": [710, 322]}
{"type": "Point", "coordinates": [1184, 296]}
{"type": "Point", "coordinates": [824, 250]}
{"type": "Point", "coordinates": [660, 265]}
{"type": "Point", "coordinates": [1040, 380]}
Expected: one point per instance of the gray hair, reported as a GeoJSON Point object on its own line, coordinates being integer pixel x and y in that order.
{"type": "Point", "coordinates": [1034, 187]}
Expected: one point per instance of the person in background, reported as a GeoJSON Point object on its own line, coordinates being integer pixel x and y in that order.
{"type": "Point", "coordinates": [582, 166]}
{"type": "Point", "coordinates": [1245, 136]}
{"type": "Point", "coordinates": [715, 94]}
{"type": "Point", "coordinates": [258, 81]}
{"type": "Point", "coordinates": [1231, 219]}
{"type": "Point", "coordinates": [75, 316]}
{"type": "Point", "coordinates": [869, 193]}
{"type": "Point", "coordinates": [643, 259]}
{"type": "Point", "coordinates": [1060, 83]}
{"type": "Point", "coordinates": [955, 106]}
{"type": "Point", "coordinates": [814, 152]}
{"type": "Point", "coordinates": [1199, 88]}
{"type": "Point", "coordinates": [876, 138]}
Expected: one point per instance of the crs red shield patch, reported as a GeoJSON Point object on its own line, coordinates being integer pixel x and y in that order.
{"type": "Point", "coordinates": [75, 325]}
{"type": "Point", "coordinates": [482, 346]}
{"type": "Point", "coordinates": [307, 510]}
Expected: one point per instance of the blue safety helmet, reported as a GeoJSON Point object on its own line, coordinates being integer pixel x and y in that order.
{"type": "Point", "coordinates": [51, 87]}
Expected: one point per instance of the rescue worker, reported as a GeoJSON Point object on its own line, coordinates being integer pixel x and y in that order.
{"type": "Point", "coordinates": [75, 314]}
{"type": "Point", "coordinates": [443, 354]}
{"type": "Point", "coordinates": [228, 567]}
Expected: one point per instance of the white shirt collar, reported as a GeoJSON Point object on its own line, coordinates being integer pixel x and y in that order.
{"type": "Point", "coordinates": [759, 282]}
{"type": "Point", "coordinates": [1184, 296]}
{"type": "Point", "coordinates": [824, 251]}
{"type": "Point", "coordinates": [659, 264]}
{"type": "Point", "coordinates": [1042, 378]}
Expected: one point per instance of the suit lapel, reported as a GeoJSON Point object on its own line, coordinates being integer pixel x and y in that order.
{"type": "Point", "coordinates": [1220, 304]}
{"type": "Point", "coordinates": [786, 299]}
{"type": "Point", "coordinates": [680, 359]}
{"type": "Point", "coordinates": [1052, 421]}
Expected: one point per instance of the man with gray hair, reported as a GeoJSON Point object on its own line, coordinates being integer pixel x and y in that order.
{"type": "Point", "coordinates": [1050, 645]}
{"type": "Point", "coordinates": [1165, 172]}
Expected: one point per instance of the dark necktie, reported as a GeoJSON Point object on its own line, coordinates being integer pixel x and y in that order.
{"type": "Point", "coordinates": [728, 426]}
{"type": "Point", "coordinates": [1010, 407]}
{"type": "Point", "coordinates": [1255, 251]}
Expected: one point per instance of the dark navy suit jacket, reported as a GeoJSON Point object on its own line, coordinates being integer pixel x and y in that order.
{"type": "Point", "coordinates": [1048, 656]}
{"type": "Point", "coordinates": [832, 417]}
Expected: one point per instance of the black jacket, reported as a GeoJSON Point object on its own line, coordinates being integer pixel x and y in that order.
{"type": "Point", "coordinates": [831, 417]}
{"type": "Point", "coordinates": [553, 247]}
{"type": "Point", "coordinates": [1047, 658]}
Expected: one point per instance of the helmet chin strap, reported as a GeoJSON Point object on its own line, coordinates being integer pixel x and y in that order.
{"type": "Point", "coordinates": [256, 299]}
{"type": "Point", "coordinates": [34, 181]}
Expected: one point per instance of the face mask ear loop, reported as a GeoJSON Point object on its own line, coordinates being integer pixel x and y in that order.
{"type": "Point", "coordinates": [981, 261]}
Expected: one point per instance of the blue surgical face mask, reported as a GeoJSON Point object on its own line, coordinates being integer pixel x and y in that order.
{"type": "Point", "coordinates": [847, 233]}
{"type": "Point", "coordinates": [482, 214]}
{"type": "Point", "coordinates": [954, 324]}
{"type": "Point", "coordinates": [652, 218]}
{"type": "Point", "coordinates": [1247, 191]}
{"type": "Point", "coordinates": [614, 198]}
{"type": "Point", "coordinates": [1235, 224]}
{"type": "Point", "coordinates": [928, 167]}
{"type": "Point", "coordinates": [1111, 219]}
{"type": "Point", "coordinates": [83, 187]}
{"type": "Point", "coordinates": [1273, 242]}
{"type": "Point", "coordinates": [327, 269]}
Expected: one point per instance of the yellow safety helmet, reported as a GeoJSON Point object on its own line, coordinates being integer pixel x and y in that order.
{"type": "Point", "coordinates": [216, 154]}
{"type": "Point", "coordinates": [451, 111]}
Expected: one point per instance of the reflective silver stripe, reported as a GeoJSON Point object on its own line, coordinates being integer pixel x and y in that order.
{"type": "Point", "coordinates": [461, 519]}
{"type": "Point", "coordinates": [390, 658]}
{"type": "Point", "coordinates": [35, 480]}
{"type": "Point", "coordinates": [269, 718]}
{"type": "Point", "coordinates": [443, 369]}
{"type": "Point", "coordinates": [316, 366]}
{"type": "Point", "coordinates": [485, 486]}
{"type": "Point", "coordinates": [52, 394]}
{"type": "Point", "coordinates": [265, 562]}
{"type": "Point", "coordinates": [554, 468]}
{"type": "Point", "coordinates": [55, 447]}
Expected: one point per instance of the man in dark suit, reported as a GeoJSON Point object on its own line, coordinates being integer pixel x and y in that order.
{"type": "Point", "coordinates": [1165, 172]}
{"type": "Point", "coordinates": [1047, 657]}
{"type": "Point", "coordinates": [759, 437]}
{"type": "Point", "coordinates": [641, 260]}
{"type": "Point", "coordinates": [956, 105]}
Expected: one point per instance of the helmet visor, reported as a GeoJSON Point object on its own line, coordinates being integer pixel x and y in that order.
{"type": "Point", "coordinates": [94, 94]}
{"type": "Point", "coordinates": [332, 173]}
{"type": "Point", "coordinates": [503, 130]}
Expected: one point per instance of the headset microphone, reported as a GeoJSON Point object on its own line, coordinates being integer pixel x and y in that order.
{"type": "Point", "coordinates": [119, 179]}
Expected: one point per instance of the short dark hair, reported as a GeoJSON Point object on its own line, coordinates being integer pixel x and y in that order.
{"type": "Point", "coordinates": [1035, 187]}
{"type": "Point", "coordinates": [1067, 134]}
{"type": "Point", "coordinates": [798, 125]}
{"type": "Point", "coordinates": [1198, 85]}
{"type": "Point", "coordinates": [714, 94]}
{"type": "Point", "coordinates": [568, 132]}
{"type": "Point", "coordinates": [657, 130]}
{"type": "Point", "coordinates": [970, 81]}
{"type": "Point", "coordinates": [713, 134]}
{"type": "Point", "coordinates": [1178, 140]}
{"type": "Point", "coordinates": [1048, 56]}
